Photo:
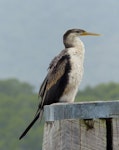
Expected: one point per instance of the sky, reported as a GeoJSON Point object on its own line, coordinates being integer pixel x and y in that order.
{"type": "Point", "coordinates": [31, 35]}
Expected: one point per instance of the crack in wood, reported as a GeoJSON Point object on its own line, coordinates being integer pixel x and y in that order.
{"type": "Point", "coordinates": [109, 133]}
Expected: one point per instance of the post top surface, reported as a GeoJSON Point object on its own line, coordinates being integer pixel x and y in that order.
{"type": "Point", "coordinates": [82, 110]}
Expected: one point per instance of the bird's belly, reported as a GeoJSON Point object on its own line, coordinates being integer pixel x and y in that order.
{"type": "Point", "coordinates": [75, 77]}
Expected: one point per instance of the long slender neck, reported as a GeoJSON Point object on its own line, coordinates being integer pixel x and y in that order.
{"type": "Point", "coordinates": [72, 41]}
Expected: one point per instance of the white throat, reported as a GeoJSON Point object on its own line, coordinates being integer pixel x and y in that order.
{"type": "Point", "coordinates": [73, 41]}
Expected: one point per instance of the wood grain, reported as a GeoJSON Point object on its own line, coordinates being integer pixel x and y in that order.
{"type": "Point", "coordinates": [115, 129]}
{"type": "Point", "coordinates": [82, 126]}
{"type": "Point", "coordinates": [74, 135]}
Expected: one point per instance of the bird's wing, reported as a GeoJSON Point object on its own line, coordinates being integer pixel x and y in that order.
{"type": "Point", "coordinates": [57, 58]}
{"type": "Point", "coordinates": [52, 66]}
{"type": "Point", "coordinates": [52, 87]}
{"type": "Point", "coordinates": [54, 83]}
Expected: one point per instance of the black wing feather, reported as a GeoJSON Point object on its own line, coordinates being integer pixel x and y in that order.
{"type": "Point", "coordinates": [53, 85]}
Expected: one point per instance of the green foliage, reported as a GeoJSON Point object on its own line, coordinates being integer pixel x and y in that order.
{"type": "Point", "coordinates": [13, 87]}
{"type": "Point", "coordinates": [17, 109]}
{"type": "Point", "coordinates": [109, 91]}
{"type": "Point", "coordinates": [18, 104]}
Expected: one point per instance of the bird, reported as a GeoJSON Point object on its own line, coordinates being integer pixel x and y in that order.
{"type": "Point", "coordinates": [64, 74]}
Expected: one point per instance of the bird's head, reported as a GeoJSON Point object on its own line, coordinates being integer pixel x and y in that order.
{"type": "Point", "coordinates": [71, 34]}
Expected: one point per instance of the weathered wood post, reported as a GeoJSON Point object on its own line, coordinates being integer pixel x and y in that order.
{"type": "Point", "coordinates": [82, 126]}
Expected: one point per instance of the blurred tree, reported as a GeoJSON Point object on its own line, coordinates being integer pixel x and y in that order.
{"type": "Point", "coordinates": [13, 87]}
{"type": "Point", "coordinates": [109, 91]}
{"type": "Point", "coordinates": [17, 109]}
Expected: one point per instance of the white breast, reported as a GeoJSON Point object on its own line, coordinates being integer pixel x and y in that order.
{"type": "Point", "coordinates": [76, 73]}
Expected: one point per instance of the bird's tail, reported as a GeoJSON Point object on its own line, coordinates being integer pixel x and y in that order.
{"type": "Point", "coordinates": [38, 115]}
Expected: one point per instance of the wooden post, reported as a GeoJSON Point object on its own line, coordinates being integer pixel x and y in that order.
{"type": "Point", "coordinates": [82, 126]}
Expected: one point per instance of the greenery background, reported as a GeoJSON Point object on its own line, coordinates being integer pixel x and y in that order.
{"type": "Point", "coordinates": [18, 103]}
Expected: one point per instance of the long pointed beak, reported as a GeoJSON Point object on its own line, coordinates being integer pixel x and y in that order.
{"type": "Point", "coordinates": [89, 33]}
